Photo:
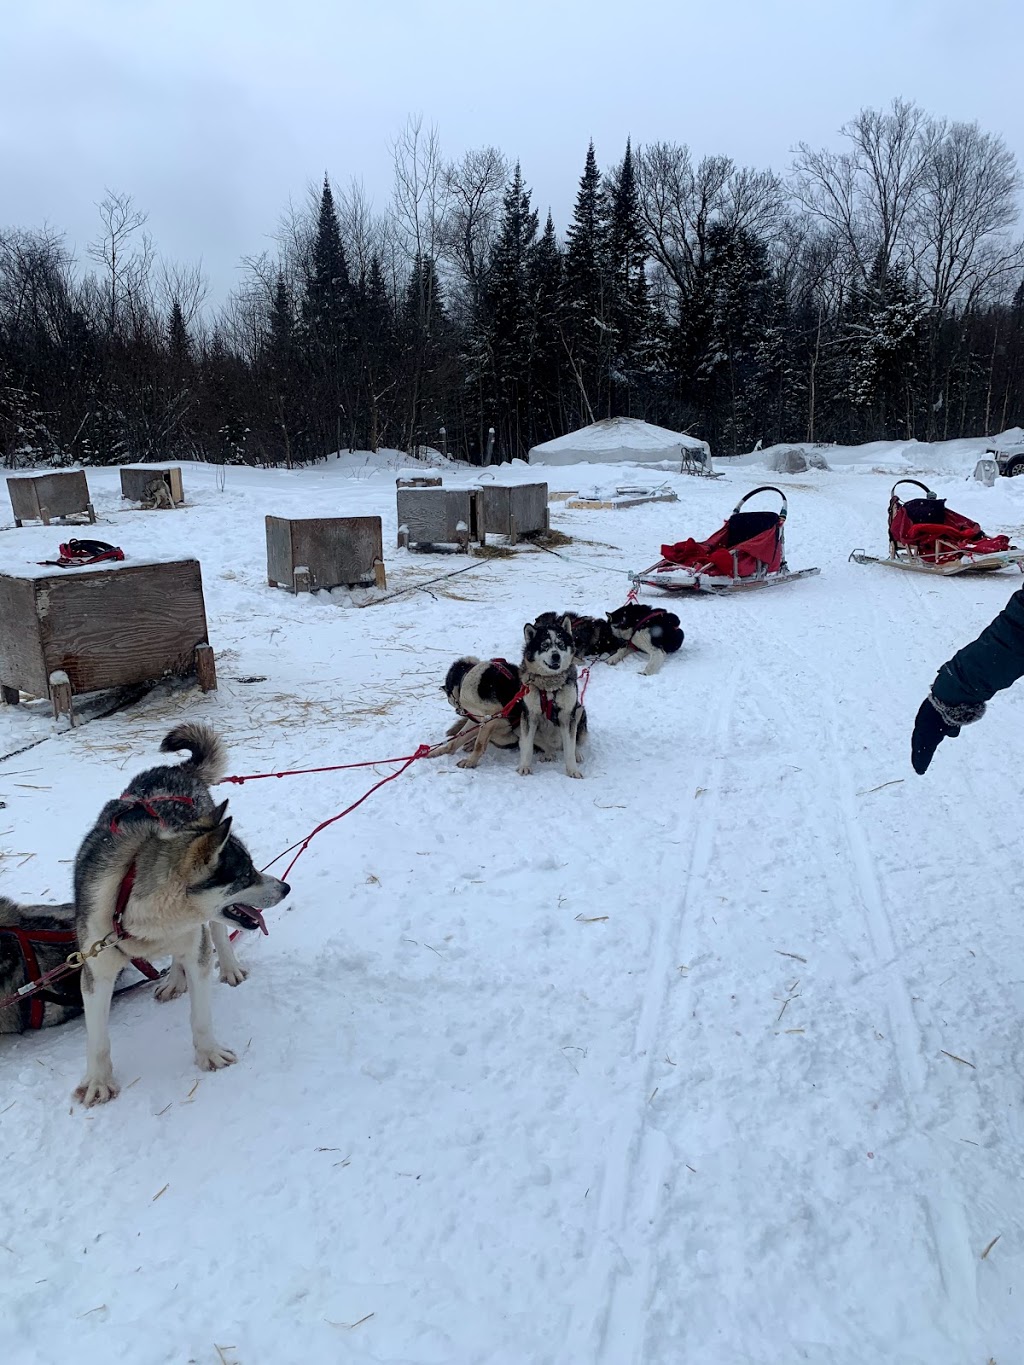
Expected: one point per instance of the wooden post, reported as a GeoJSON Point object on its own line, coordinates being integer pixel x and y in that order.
{"type": "Point", "coordinates": [403, 537]}
{"type": "Point", "coordinates": [301, 580]}
{"type": "Point", "coordinates": [10, 696]}
{"type": "Point", "coordinates": [91, 512]}
{"type": "Point", "coordinates": [206, 668]}
{"type": "Point", "coordinates": [379, 576]}
{"type": "Point", "coordinates": [61, 696]}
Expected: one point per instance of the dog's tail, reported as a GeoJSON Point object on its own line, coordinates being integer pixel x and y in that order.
{"type": "Point", "coordinates": [206, 753]}
{"type": "Point", "coordinates": [35, 916]}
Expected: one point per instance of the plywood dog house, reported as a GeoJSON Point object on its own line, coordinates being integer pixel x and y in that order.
{"type": "Point", "coordinates": [325, 552]}
{"type": "Point", "coordinates": [440, 519]}
{"type": "Point", "coordinates": [69, 631]}
{"type": "Point", "coordinates": [515, 510]}
{"type": "Point", "coordinates": [50, 496]}
{"type": "Point", "coordinates": [137, 484]}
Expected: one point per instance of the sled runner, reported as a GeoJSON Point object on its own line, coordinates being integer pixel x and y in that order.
{"type": "Point", "coordinates": [925, 536]}
{"type": "Point", "coordinates": [748, 552]}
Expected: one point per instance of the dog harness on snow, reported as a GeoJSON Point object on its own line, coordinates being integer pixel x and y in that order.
{"type": "Point", "coordinates": [33, 1008]}
{"type": "Point", "coordinates": [77, 553]}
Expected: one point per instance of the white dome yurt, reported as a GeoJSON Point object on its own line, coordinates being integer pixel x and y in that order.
{"type": "Point", "coordinates": [616, 440]}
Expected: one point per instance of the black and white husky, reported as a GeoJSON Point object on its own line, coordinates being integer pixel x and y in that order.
{"type": "Point", "coordinates": [159, 874]}
{"type": "Point", "coordinates": [592, 636]}
{"type": "Point", "coordinates": [652, 631]}
{"type": "Point", "coordinates": [484, 693]}
{"type": "Point", "coordinates": [551, 706]}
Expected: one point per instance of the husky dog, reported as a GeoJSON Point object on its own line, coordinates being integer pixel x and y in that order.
{"type": "Point", "coordinates": [591, 636]}
{"type": "Point", "coordinates": [650, 630]}
{"type": "Point", "coordinates": [481, 690]}
{"type": "Point", "coordinates": [551, 707]}
{"type": "Point", "coordinates": [159, 867]}
{"type": "Point", "coordinates": [44, 932]}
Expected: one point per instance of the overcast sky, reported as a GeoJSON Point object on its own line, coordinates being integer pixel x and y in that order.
{"type": "Point", "coordinates": [213, 113]}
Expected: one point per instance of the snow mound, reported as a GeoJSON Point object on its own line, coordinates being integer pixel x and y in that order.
{"type": "Point", "coordinates": [791, 460]}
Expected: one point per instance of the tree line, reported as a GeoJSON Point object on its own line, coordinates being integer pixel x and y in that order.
{"type": "Point", "coordinates": [873, 292]}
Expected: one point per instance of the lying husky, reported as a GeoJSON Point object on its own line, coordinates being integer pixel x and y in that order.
{"type": "Point", "coordinates": [159, 867]}
{"type": "Point", "coordinates": [36, 936]}
{"type": "Point", "coordinates": [484, 692]}
{"type": "Point", "coordinates": [592, 637]}
{"type": "Point", "coordinates": [551, 706]}
{"type": "Point", "coordinates": [650, 630]}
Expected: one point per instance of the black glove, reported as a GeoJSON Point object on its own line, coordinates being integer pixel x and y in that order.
{"type": "Point", "coordinates": [930, 729]}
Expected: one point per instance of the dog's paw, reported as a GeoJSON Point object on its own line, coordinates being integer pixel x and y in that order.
{"type": "Point", "coordinates": [173, 984]}
{"type": "Point", "coordinates": [573, 772]}
{"type": "Point", "coordinates": [524, 770]}
{"type": "Point", "coordinates": [234, 976]}
{"type": "Point", "coordinates": [470, 762]}
{"type": "Point", "coordinates": [97, 1090]}
{"type": "Point", "coordinates": [214, 1058]}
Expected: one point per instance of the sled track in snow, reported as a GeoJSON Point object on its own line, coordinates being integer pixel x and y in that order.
{"type": "Point", "coordinates": [608, 1327]}
{"type": "Point", "coordinates": [946, 1216]}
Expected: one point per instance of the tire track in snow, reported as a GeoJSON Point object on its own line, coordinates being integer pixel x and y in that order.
{"type": "Point", "coordinates": [608, 1325]}
{"type": "Point", "coordinates": [946, 1216]}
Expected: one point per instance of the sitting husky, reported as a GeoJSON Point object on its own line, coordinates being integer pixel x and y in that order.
{"type": "Point", "coordinates": [158, 867]}
{"type": "Point", "coordinates": [481, 690]}
{"type": "Point", "coordinates": [651, 630]}
{"type": "Point", "coordinates": [551, 707]}
{"type": "Point", "coordinates": [592, 637]}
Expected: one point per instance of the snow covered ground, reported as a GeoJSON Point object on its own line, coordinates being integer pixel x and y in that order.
{"type": "Point", "coordinates": [710, 1059]}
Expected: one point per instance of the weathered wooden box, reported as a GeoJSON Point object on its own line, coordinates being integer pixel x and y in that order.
{"type": "Point", "coordinates": [136, 479]}
{"type": "Point", "coordinates": [515, 510]}
{"type": "Point", "coordinates": [440, 519]}
{"type": "Point", "coordinates": [47, 497]}
{"type": "Point", "coordinates": [325, 552]}
{"type": "Point", "coordinates": [102, 627]}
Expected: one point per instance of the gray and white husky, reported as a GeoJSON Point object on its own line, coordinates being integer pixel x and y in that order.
{"type": "Point", "coordinates": [551, 706]}
{"type": "Point", "coordinates": [164, 852]}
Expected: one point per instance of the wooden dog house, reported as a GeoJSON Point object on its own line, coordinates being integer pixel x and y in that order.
{"type": "Point", "coordinates": [325, 552]}
{"type": "Point", "coordinates": [137, 478]}
{"type": "Point", "coordinates": [50, 496]}
{"type": "Point", "coordinates": [440, 519]}
{"type": "Point", "coordinates": [69, 631]}
{"type": "Point", "coordinates": [515, 510]}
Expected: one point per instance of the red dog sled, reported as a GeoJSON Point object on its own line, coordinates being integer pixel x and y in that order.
{"type": "Point", "coordinates": [748, 552]}
{"type": "Point", "coordinates": [924, 535]}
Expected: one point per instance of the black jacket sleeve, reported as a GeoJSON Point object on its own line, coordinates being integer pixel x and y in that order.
{"type": "Point", "coordinates": [991, 662]}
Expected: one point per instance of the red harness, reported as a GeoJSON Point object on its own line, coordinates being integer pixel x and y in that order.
{"type": "Point", "coordinates": [27, 940]}
{"type": "Point", "coordinates": [124, 890]}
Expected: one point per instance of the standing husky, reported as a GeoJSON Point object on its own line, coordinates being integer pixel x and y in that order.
{"type": "Point", "coordinates": [650, 630]}
{"type": "Point", "coordinates": [551, 707]}
{"type": "Point", "coordinates": [158, 867]}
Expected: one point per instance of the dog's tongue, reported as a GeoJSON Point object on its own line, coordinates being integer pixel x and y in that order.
{"type": "Point", "coordinates": [247, 916]}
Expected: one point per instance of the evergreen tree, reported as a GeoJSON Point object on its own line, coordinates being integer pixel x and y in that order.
{"type": "Point", "coordinates": [588, 338]}
{"type": "Point", "coordinates": [510, 308]}
{"type": "Point", "coordinates": [884, 351]}
{"type": "Point", "coordinates": [326, 311]}
{"type": "Point", "coordinates": [629, 314]}
{"type": "Point", "coordinates": [545, 270]}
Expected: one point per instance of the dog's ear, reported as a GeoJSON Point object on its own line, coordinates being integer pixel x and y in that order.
{"type": "Point", "coordinates": [529, 631]}
{"type": "Point", "coordinates": [566, 624]}
{"type": "Point", "coordinates": [205, 848]}
{"type": "Point", "coordinates": [211, 820]}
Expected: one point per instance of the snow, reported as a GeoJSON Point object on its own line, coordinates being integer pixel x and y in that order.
{"type": "Point", "coordinates": [616, 440]}
{"type": "Point", "coordinates": [713, 1056]}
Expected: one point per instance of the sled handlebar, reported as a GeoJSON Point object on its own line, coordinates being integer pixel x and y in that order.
{"type": "Point", "coordinates": [915, 483]}
{"type": "Point", "coordinates": [764, 488]}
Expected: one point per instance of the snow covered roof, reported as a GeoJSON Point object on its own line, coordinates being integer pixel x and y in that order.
{"type": "Point", "coordinates": [615, 439]}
